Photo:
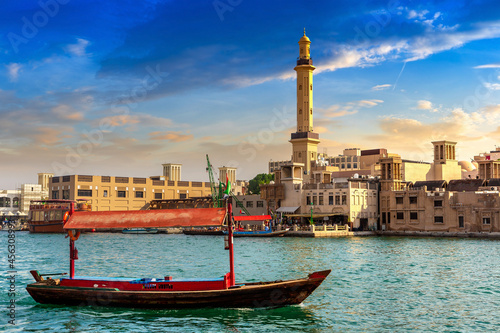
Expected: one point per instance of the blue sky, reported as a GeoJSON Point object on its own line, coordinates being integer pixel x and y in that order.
{"type": "Point", "coordinates": [120, 87]}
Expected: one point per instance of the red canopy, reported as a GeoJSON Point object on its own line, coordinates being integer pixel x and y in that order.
{"type": "Point", "coordinates": [252, 218]}
{"type": "Point", "coordinates": [156, 218]}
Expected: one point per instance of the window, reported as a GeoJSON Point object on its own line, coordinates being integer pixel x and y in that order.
{"type": "Point", "coordinates": [308, 200]}
{"type": "Point", "coordinates": [121, 194]}
{"type": "Point", "coordinates": [84, 193]}
{"type": "Point", "coordinates": [239, 204]}
{"type": "Point", "coordinates": [355, 165]}
{"type": "Point", "coordinates": [438, 219]}
{"type": "Point", "coordinates": [249, 204]}
{"type": "Point", "coordinates": [158, 196]}
{"type": "Point", "coordinates": [315, 200]}
{"type": "Point", "coordinates": [300, 111]}
{"type": "Point", "coordinates": [182, 196]}
{"type": "Point", "coordinates": [337, 199]}
{"type": "Point", "coordinates": [460, 221]}
{"type": "Point", "coordinates": [413, 200]}
{"type": "Point", "coordinates": [65, 194]}
{"type": "Point", "coordinates": [105, 193]}
{"type": "Point", "coordinates": [260, 203]}
{"type": "Point", "coordinates": [15, 201]}
{"type": "Point", "coordinates": [320, 200]}
{"type": "Point", "coordinates": [139, 194]}
{"type": "Point", "coordinates": [55, 195]}
{"type": "Point", "coordinates": [438, 203]}
{"type": "Point", "coordinates": [344, 200]}
{"type": "Point", "coordinates": [383, 218]}
{"type": "Point", "coordinates": [348, 165]}
{"type": "Point", "coordinates": [342, 166]}
{"type": "Point", "coordinates": [400, 215]}
{"type": "Point", "coordinates": [413, 215]}
{"type": "Point", "coordinates": [399, 200]}
{"type": "Point", "coordinates": [486, 220]}
{"type": "Point", "coordinates": [5, 202]}
{"type": "Point", "coordinates": [330, 200]}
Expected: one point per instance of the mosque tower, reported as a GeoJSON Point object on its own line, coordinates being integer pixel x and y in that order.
{"type": "Point", "coordinates": [304, 141]}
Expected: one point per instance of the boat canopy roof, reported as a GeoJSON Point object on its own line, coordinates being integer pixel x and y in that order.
{"type": "Point", "coordinates": [252, 218]}
{"type": "Point", "coordinates": [156, 218]}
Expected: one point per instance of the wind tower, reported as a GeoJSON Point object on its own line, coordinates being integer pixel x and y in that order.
{"type": "Point", "coordinates": [304, 141]}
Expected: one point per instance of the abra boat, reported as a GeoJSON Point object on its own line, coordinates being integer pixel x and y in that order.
{"type": "Point", "coordinates": [166, 292]}
{"type": "Point", "coordinates": [140, 231]}
{"type": "Point", "coordinates": [203, 231]}
{"type": "Point", "coordinates": [49, 216]}
{"type": "Point", "coordinates": [266, 231]}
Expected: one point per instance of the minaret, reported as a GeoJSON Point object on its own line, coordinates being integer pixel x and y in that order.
{"type": "Point", "coordinates": [304, 141]}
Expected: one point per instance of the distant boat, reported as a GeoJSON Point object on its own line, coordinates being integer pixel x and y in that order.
{"type": "Point", "coordinates": [203, 231]}
{"type": "Point", "coordinates": [267, 232]}
{"type": "Point", "coordinates": [140, 231]}
{"type": "Point", "coordinates": [259, 233]}
{"type": "Point", "coordinates": [49, 216]}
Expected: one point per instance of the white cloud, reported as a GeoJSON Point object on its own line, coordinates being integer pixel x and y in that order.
{"type": "Point", "coordinates": [488, 66]}
{"type": "Point", "coordinates": [492, 86]}
{"type": "Point", "coordinates": [381, 86]}
{"type": "Point", "coordinates": [425, 105]}
{"type": "Point", "coordinates": [78, 49]}
{"type": "Point", "coordinates": [13, 71]}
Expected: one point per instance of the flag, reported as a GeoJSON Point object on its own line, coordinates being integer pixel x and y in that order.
{"type": "Point", "coordinates": [228, 186]}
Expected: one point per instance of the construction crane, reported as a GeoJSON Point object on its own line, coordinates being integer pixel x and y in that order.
{"type": "Point", "coordinates": [213, 188]}
{"type": "Point", "coordinates": [217, 193]}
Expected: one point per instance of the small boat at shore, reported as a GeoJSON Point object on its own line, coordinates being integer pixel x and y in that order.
{"type": "Point", "coordinates": [203, 231]}
{"type": "Point", "coordinates": [49, 216]}
{"type": "Point", "coordinates": [259, 233]}
{"type": "Point", "coordinates": [140, 231]}
{"type": "Point", "coordinates": [166, 292]}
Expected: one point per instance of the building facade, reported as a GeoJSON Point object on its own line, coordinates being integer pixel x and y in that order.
{"type": "Point", "coordinates": [460, 206]}
{"type": "Point", "coordinates": [123, 193]}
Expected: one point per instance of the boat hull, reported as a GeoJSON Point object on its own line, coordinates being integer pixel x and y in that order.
{"type": "Point", "coordinates": [259, 233]}
{"type": "Point", "coordinates": [260, 294]}
{"type": "Point", "coordinates": [47, 227]}
{"type": "Point", "coordinates": [140, 231]}
{"type": "Point", "coordinates": [202, 232]}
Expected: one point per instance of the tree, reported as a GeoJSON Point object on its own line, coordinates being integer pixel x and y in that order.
{"type": "Point", "coordinates": [261, 178]}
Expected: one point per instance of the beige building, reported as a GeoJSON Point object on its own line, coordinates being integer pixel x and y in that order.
{"type": "Point", "coordinates": [123, 193]}
{"type": "Point", "coordinates": [462, 205]}
{"type": "Point", "coordinates": [352, 201]}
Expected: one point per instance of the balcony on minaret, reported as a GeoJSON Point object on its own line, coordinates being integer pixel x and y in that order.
{"type": "Point", "coordinates": [305, 135]}
{"type": "Point", "coordinates": [302, 61]}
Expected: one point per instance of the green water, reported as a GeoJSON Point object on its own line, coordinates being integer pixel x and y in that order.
{"type": "Point", "coordinates": [377, 284]}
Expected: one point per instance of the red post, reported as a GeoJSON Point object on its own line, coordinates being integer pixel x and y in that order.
{"type": "Point", "coordinates": [232, 280]}
{"type": "Point", "coordinates": [72, 250]}
{"type": "Point", "coordinates": [71, 259]}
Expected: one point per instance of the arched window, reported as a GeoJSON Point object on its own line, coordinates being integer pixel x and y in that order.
{"type": "Point", "coordinates": [300, 87]}
{"type": "Point", "coordinates": [4, 202]}
{"type": "Point", "coordinates": [300, 111]}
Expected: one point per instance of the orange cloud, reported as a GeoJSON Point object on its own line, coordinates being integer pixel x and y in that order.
{"type": "Point", "coordinates": [171, 136]}
{"type": "Point", "coordinates": [66, 112]}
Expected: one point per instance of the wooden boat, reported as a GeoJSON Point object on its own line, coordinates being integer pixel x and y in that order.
{"type": "Point", "coordinates": [259, 233]}
{"type": "Point", "coordinates": [267, 229]}
{"type": "Point", "coordinates": [166, 292]}
{"type": "Point", "coordinates": [203, 232]}
{"type": "Point", "coordinates": [48, 216]}
{"type": "Point", "coordinates": [140, 231]}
